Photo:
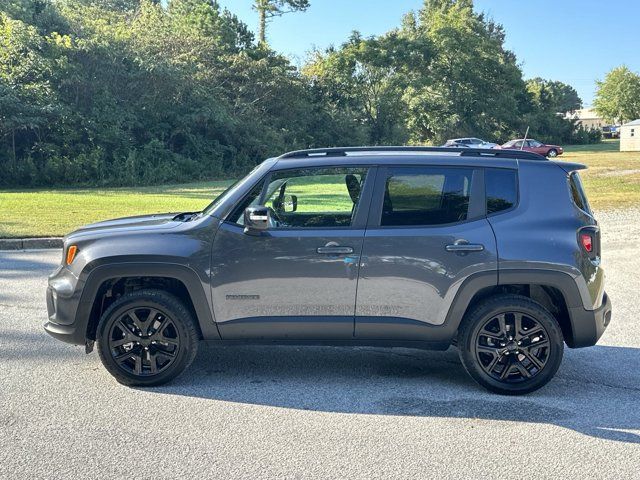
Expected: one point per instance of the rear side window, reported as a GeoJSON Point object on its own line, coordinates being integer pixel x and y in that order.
{"type": "Point", "coordinates": [423, 196]}
{"type": "Point", "coordinates": [577, 193]}
{"type": "Point", "coordinates": [501, 188]}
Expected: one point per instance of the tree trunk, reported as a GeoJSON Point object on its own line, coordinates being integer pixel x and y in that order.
{"type": "Point", "coordinates": [262, 21]}
{"type": "Point", "coordinates": [13, 141]}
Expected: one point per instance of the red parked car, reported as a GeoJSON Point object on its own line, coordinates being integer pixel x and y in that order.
{"type": "Point", "coordinates": [535, 146]}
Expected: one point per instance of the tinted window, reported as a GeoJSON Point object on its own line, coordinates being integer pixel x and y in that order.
{"type": "Point", "coordinates": [501, 189]}
{"type": "Point", "coordinates": [315, 197]}
{"type": "Point", "coordinates": [426, 196]}
{"type": "Point", "coordinates": [577, 192]}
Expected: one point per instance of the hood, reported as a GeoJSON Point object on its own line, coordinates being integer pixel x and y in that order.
{"type": "Point", "coordinates": [160, 221]}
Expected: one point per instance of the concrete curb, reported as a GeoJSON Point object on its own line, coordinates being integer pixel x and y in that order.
{"type": "Point", "coordinates": [30, 243]}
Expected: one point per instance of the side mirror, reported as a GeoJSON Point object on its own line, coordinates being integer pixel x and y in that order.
{"type": "Point", "coordinates": [256, 219]}
{"type": "Point", "coordinates": [290, 203]}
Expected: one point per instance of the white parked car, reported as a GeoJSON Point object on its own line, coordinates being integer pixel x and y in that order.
{"type": "Point", "coordinates": [470, 142]}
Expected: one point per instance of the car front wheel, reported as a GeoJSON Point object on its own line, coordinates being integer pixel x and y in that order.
{"type": "Point", "coordinates": [552, 153]}
{"type": "Point", "coordinates": [510, 344]}
{"type": "Point", "coordinates": [147, 338]}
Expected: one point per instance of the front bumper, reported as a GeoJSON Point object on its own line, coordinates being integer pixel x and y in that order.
{"type": "Point", "coordinates": [588, 325]}
{"type": "Point", "coordinates": [62, 307]}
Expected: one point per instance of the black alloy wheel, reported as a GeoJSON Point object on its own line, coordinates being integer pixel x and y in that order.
{"type": "Point", "coordinates": [147, 338]}
{"type": "Point", "coordinates": [510, 344]}
{"type": "Point", "coordinates": [512, 347]}
{"type": "Point", "coordinates": [144, 341]}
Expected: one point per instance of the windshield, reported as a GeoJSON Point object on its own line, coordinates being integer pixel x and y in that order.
{"type": "Point", "coordinates": [216, 200]}
{"type": "Point", "coordinates": [231, 188]}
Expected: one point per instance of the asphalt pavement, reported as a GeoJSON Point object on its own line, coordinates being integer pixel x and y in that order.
{"type": "Point", "coordinates": [316, 412]}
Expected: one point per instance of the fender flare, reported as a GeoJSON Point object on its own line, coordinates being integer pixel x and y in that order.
{"type": "Point", "coordinates": [583, 331]}
{"type": "Point", "coordinates": [469, 288]}
{"type": "Point", "coordinates": [189, 278]}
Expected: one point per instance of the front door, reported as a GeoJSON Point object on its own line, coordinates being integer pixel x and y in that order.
{"type": "Point", "coordinates": [296, 280]}
{"type": "Point", "coordinates": [427, 233]}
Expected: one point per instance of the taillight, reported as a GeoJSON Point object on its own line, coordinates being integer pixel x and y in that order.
{"type": "Point", "coordinates": [589, 241]}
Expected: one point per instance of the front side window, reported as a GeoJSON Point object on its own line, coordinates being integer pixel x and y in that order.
{"type": "Point", "coordinates": [501, 189]}
{"type": "Point", "coordinates": [315, 197]}
{"type": "Point", "coordinates": [423, 196]}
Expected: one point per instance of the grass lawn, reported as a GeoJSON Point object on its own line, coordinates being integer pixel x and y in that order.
{"type": "Point", "coordinates": [37, 213]}
{"type": "Point", "coordinates": [612, 181]}
{"type": "Point", "coordinates": [613, 178]}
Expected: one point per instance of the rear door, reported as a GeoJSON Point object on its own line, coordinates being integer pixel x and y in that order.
{"type": "Point", "coordinates": [296, 280]}
{"type": "Point", "coordinates": [427, 232]}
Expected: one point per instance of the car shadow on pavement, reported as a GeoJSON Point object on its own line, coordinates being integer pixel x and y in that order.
{"type": "Point", "coordinates": [596, 391]}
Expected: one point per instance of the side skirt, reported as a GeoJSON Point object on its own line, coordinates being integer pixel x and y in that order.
{"type": "Point", "coordinates": [336, 343]}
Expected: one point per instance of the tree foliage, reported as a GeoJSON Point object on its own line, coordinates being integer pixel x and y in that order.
{"type": "Point", "coordinates": [443, 73]}
{"type": "Point", "coordinates": [142, 95]}
{"type": "Point", "coordinates": [553, 96]}
{"type": "Point", "coordinates": [123, 92]}
{"type": "Point", "coordinates": [618, 96]}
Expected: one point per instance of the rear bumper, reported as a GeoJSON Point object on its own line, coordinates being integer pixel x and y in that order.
{"type": "Point", "coordinates": [587, 326]}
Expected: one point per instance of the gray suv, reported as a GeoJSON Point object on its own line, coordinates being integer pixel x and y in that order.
{"type": "Point", "coordinates": [494, 251]}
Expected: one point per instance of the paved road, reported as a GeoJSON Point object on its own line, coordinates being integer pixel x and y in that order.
{"type": "Point", "coordinates": [256, 412]}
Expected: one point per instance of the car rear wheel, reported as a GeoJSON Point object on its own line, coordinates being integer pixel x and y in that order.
{"type": "Point", "coordinates": [552, 153]}
{"type": "Point", "coordinates": [147, 338]}
{"type": "Point", "coordinates": [510, 344]}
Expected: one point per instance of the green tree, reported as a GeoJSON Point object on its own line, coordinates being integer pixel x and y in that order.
{"type": "Point", "coordinates": [554, 96]}
{"type": "Point", "coordinates": [474, 85]}
{"type": "Point", "coordinates": [367, 78]}
{"type": "Point", "coordinates": [204, 17]}
{"type": "Point", "coordinates": [274, 8]}
{"type": "Point", "coordinates": [618, 96]}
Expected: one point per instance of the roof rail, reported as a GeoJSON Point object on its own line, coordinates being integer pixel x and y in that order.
{"type": "Point", "coordinates": [464, 152]}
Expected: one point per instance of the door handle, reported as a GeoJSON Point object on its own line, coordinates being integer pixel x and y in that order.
{"type": "Point", "coordinates": [464, 247]}
{"type": "Point", "coordinates": [334, 250]}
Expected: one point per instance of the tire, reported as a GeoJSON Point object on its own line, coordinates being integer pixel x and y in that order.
{"type": "Point", "coordinates": [502, 365]}
{"type": "Point", "coordinates": [553, 153]}
{"type": "Point", "coordinates": [147, 351]}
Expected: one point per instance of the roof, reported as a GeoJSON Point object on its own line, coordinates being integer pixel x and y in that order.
{"type": "Point", "coordinates": [397, 151]}
{"type": "Point", "coordinates": [635, 122]}
{"type": "Point", "coordinates": [418, 156]}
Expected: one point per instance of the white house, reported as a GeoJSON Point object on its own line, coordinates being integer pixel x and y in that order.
{"type": "Point", "coordinates": [630, 137]}
{"type": "Point", "coordinates": [587, 117]}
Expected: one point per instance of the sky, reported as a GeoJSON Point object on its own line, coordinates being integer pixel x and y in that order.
{"type": "Point", "coordinates": [573, 41]}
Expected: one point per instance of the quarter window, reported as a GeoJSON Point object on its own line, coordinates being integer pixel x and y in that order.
{"type": "Point", "coordinates": [501, 189]}
{"type": "Point", "coordinates": [426, 196]}
{"type": "Point", "coordinates": [577, 193]}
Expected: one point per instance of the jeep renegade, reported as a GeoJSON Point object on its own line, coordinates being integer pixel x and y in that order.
{"type": "Point", "coordinates": [494, 251]}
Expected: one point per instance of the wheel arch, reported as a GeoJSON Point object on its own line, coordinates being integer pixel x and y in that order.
{"type": "Point", "coordinates": [556, 291]}
{"type": "Point", "coordinates": [107, 282]}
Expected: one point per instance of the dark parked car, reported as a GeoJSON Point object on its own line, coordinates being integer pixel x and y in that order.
{"type": "Point", "coordinates": [534, 146]}
{"type": "Point", "coordinates": [496, 252]}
